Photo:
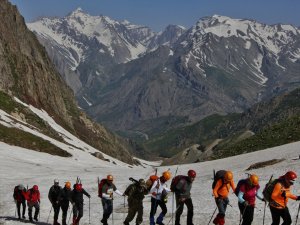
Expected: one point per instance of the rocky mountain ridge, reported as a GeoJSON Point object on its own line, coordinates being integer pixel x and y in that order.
{"type": "Point", "coordinates": [28, 74]}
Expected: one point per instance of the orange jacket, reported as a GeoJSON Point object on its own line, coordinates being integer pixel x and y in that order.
{"type": "Point", "coordinates": [222, 189]}
{"type": "Point", "coordinates": [279, 201]}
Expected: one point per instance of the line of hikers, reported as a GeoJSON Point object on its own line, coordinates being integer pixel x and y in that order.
{"type": "Point", "coordinates": [276, 193]}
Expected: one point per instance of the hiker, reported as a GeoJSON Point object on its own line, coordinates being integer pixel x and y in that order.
{"type": "Point", "coordinates": [53, 194]}
{"type": "Point", "coordinates": [159, 193]}
{"type": "Point", "coordinates": [77, 202]}
{"type": "Point", "coordinates": [247, 192]}
{"type": "Point", "coordinates": [19, 198]}
{"type": "Point", "coordinates": [105, 192]}
{"type": "Point", "coordinates": [279, 199]}
{"type": "Point", "coordinates": [33, 200]}
{"type": "Point", "coordinates": [220, 192]}
{"type": "Point", "coordinates": [64, 197]}
{"type": "Point", "coordinates": [182, 189]}
{"type": "Point", "coordinates": [136, 193]}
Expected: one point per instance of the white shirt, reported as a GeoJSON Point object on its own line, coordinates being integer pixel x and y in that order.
{"type": "Point", "coordinates": [157, 192]}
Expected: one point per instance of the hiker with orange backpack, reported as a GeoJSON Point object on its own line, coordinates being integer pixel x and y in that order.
{"type": "Point", "coordinates": [279, 199]}
{"type": "Point", "coordinates": [159, 193]}
{"type": "Point", "coordinates": [181, 185]}
{"type": "Point", "coordinates": [247, 191]}
{"type": "Point", "coordinates": [106, 189]}
{"type": "Point", "coordinates": [223, 183]}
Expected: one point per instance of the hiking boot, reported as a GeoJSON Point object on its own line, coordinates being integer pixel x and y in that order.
{"type": "Point", "coordinates": [125, 223]}
{"type": "Point", "coordinates": [216, 221]}
{"type": "Point", "coordinates": [36, 219]}
{"type": "Point", "coordinates": [104, 222]}
{"type": "Point", "coordinates": [23, 217]}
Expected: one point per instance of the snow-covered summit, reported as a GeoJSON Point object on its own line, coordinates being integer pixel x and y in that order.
{"type": "Point", "coordinates": [76, 32]}
{"type": "Point", "coordinates": [274, 37]}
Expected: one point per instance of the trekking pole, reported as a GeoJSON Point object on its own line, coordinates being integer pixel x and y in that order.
{"type": "Point", "coordinates": [297, 214]}
{"type": "Point", "coordinates": [89, 211]}
{"type": "Point", "coordinates": [264, 213]}
{"type": "Point", "coordinates": [212, 215]}
{"type": "Point", "coordinates": [49, 214]}
{"type": "Point", "coordinates": [172, 214]}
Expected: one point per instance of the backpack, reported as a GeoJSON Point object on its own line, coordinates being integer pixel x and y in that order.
{"type": "Point", "coordinates": [217, 176]}
{"type": "Point", "coordinates": [100, 185]}
{"type": "Point", "coordinates": [150, 181]}
{"type": "Point", "coordinates": [268, 190]}
{"type": "Point", "coordinates": [238, 186]}
{"type": "Point", "coordinates": [175, 181]}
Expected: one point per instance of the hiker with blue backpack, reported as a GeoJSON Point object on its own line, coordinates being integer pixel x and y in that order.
{"type": "Point", "coordinates": [279, 198]}
{"type": "Point", "coordinates": [223, 181]}
{"type": "Point", "coordinates": [247, 191]}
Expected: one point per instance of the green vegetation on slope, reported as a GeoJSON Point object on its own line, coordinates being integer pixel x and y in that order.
{"type": "Point", "coordinates": [281, 133]}
{"type": "Point", "coordinates": [14, 136]}
{"type": "Point", "coordinates": [178, 139]}
{"type": "Point", "coordinates": [8, 105]}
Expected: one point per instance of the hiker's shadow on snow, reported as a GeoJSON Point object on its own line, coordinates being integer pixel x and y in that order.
{"type": "Point", "coordinates": [11, 218]}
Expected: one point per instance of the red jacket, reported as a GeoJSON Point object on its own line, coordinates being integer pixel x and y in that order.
{"type": "Point", "coordinates": [33, 196]}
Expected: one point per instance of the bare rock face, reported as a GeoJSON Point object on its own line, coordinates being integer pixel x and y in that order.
{"type": "Point", "coordinates": [27, 73]}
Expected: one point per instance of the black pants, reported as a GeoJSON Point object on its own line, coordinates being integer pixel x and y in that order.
{"type": "Point", "coordinates": [78, 210]}
{"type": "Point", "coordinates": [247, 213]}
{"type": "Point", "coordinates": [19, 208]}
{"type": "Point", "coordinates": [154, 204]}
{"type": "Point", "coordinates": [36, 205]}
{"type": "Point", "coordinates": [107, 205]}
{"type": "Point", "coordinates": [64, 209]}
{"type": "Point", "coordinates": [56, 209]}
{"type": "Point", "coordinates": [179, 209]}
{"type": "Point", "coordinates": [283, 213]}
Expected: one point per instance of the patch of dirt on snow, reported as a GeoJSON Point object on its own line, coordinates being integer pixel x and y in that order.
{"type": "Point", "coordinates": [264, 164]}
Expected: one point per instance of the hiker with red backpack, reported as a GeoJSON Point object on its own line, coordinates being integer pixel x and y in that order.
{"type": "Point", "coordinates": [159, 193]}
{"type": "Point", "coordinates": [106, 189]}
{"type": "Point", "coordinates": [223, 181]}
{"type": "Point", "coordinates": [33, 200]}
{"type": "Point", "coordinates": [77, 202]}
{"type": "Point", "coordinates": [247, 191]}
{"type": "Point", "coordinates": [279, 198]}
{"type": "Point", "coordinates": [20, 199]}
{"type": "Point", "coordinates": [53, 194]}
{"type": "Point", "coordinates": [181, 185]}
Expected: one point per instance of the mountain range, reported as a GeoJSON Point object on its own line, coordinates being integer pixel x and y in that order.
{"type": "Point", "coordinates": [141, 83]}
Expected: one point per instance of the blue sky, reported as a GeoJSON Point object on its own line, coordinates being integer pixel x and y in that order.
{"type": "Point", "coordinates": [157, 14]}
